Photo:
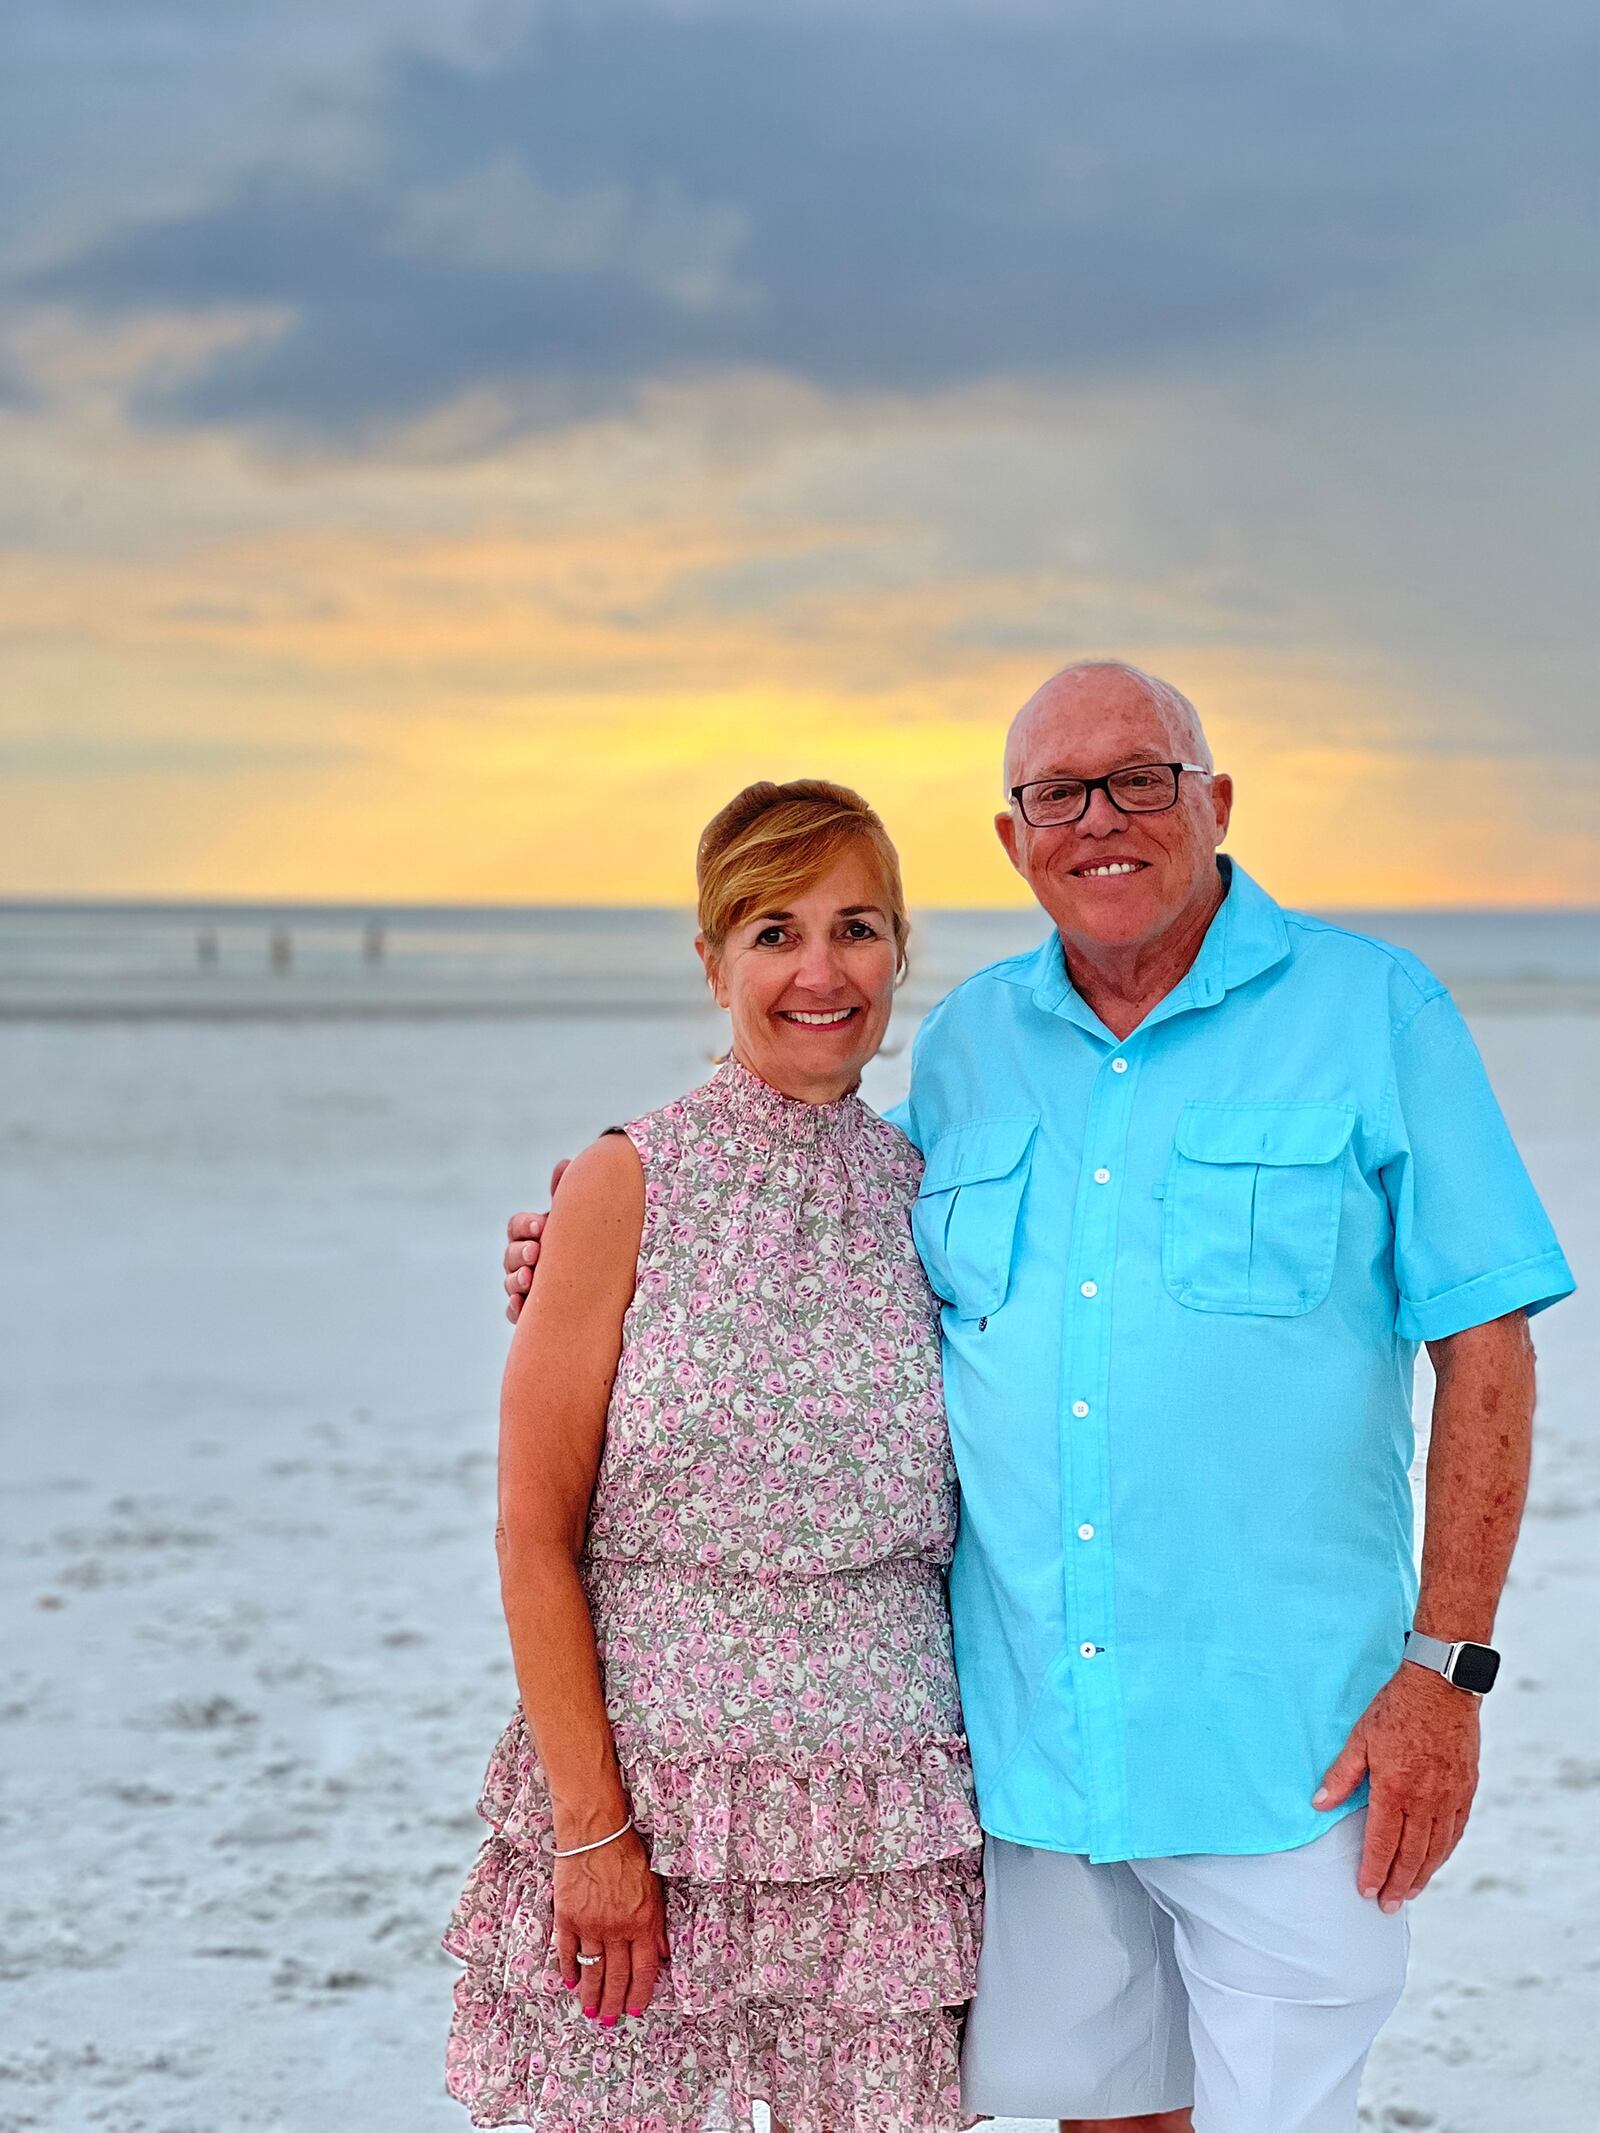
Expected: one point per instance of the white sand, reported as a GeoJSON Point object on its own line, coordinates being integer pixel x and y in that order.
{"type": "Point", "coordinates": [253, 1660]}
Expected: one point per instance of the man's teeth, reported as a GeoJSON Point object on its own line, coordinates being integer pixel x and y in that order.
{"type": "Point", "coordinates": [1115, 866]}
{"type": "Point", "coordinates": [839, 1014]}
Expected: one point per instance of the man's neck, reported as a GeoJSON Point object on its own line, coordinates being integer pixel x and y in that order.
{"type": "Point", "coordinates": [1123, 985]}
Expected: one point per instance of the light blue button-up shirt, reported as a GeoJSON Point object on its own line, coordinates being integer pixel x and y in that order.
{"type": "Point", "coordinates": [1185, 1275]}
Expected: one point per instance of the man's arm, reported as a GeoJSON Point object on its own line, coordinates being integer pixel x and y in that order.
{"type": "Point", "coordinates": [1478, 1456]}
{"type": "Point", "coordinates": [1418, 1738]}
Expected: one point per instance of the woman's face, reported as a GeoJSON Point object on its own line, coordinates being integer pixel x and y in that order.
{"type": "Point", "coordinates": [809, 988]}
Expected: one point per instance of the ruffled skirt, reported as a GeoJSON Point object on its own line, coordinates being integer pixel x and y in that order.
{"type": "Point", "coordinates": [793, 1755]}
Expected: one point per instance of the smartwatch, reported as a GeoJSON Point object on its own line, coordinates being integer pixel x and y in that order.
{"type": "Point", "coordinates": [1466, 1666]}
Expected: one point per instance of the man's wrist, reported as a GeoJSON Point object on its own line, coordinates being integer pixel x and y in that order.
{"type": "Point", "coordinates": [1453, 1620]}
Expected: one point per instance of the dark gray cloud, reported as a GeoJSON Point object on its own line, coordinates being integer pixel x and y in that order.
{"type": "Point", "coordinates": [878, 203]}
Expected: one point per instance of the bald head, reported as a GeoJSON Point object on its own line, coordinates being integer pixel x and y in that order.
{"type": "Point", "coordinates": [1089, 694]}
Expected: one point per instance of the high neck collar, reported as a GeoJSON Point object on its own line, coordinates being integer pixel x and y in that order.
{"type": "Point", "coordinates": [756, 1104]}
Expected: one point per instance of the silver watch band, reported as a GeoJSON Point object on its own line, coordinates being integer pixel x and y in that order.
{"type": "Point", "coordinates": [1429, 1651]}
{"type": "Point", "coordinates": [1435, 1653]}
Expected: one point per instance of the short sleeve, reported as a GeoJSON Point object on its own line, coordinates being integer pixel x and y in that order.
{"type": "Point", "coordinates": [1472, 1241]}
{"type": "Point", "coordinates": [904, 1114]}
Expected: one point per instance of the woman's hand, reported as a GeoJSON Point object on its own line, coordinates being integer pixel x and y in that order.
{"type": "Point", "coordinates": [608, 1903]}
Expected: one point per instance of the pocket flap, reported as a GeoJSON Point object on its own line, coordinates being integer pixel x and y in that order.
{"type": "Point", "coordinates": [985, 1148]}
{"type": "Point", "coordinates": [1265, 1133]}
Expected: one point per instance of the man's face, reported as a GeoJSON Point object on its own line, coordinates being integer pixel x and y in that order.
{"type": "Point", "coordinates": [1109, 879]}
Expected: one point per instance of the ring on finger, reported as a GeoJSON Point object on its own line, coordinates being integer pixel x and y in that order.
{"type": "Point", "coordinates": [588, 1961]}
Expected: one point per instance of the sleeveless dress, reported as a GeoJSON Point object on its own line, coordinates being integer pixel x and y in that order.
{"type": "Point", "coordinates": [772, 1521]}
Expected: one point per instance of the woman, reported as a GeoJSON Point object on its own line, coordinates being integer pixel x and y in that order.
{"type": "Point", "coordinates": [735, 1856]}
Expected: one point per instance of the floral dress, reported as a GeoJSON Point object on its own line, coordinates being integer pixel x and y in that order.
{"type": "Point", "coordinates": [765, 1567]}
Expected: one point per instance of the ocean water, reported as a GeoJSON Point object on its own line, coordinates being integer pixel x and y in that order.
{"type": "Point", "coordinates": [94, 960]}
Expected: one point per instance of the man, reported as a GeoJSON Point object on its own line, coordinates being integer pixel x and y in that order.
{"type": "Point", "coordinates": [1200, 1175]}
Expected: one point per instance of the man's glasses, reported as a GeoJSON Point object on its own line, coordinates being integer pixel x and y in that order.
{"type": "Point", "coordinates": [1141, 789]}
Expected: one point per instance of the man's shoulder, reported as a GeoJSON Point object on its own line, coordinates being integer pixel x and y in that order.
{"type": "Point", "coordinates": [1333, 953]}
{"type": "Point", "coordinates": [976, 994]}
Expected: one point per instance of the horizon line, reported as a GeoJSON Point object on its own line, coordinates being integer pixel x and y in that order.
{"type": "Point", "coordinates": [159, 904]}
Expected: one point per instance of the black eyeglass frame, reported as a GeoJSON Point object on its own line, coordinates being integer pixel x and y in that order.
{"type": "Point", "coordinates": [1093, 785]}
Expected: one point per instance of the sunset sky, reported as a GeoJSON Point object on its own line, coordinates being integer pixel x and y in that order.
{"type": "Point", "coordinates": [446, 448]}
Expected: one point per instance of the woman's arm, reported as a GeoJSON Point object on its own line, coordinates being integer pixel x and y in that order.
{"type": "Point", "coordinates": [552, 1426]}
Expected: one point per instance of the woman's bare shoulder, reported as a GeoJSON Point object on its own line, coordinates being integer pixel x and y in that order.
{"type": "Point", "coordinates": [607, 1164]}
{"type": "Point", "coordinates": [599, 1204]}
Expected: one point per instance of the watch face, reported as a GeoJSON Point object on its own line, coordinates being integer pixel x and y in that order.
{"type": "Point", "coordinates": [1475, 1668]}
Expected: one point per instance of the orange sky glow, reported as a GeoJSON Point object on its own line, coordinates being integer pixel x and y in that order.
{"type": "Point", "coordinates": [446, 454]}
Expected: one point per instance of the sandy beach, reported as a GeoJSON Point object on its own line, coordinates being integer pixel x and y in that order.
{"type": "Point", "coordinates": [254, 1661]}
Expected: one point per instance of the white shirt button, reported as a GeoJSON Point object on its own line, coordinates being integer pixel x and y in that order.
{"type": "Point", "coordinates": [1087, 1651]}
{"type": "Point", "coordinates": [1102, 1177]}
{"type": "Point", "coordinates": [1080, 1408]}
{"type": "Point", "coordinates": [1089, 1288]}
{"type": "Point", "coordinates": [1119, 1066]}
{"type": "Point", "coordinates": [1086, 1533]}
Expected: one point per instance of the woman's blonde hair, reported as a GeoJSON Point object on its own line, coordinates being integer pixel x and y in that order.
{"type": "Point", "coordinates": [771, 842]}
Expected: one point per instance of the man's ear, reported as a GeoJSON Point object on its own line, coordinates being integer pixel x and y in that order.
{"type": "Point", "coordinates": [1222, 802]}
{"type": "Point", "coordinates": [1005, 828]}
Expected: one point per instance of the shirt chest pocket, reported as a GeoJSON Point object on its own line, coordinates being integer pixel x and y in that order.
{"type": "Point", "coordinates": [965, 1217]}
{"type": "Point", "coordinates": [1251, 1220]}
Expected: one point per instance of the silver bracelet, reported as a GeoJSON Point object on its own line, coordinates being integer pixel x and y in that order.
{"type": "Point", "coordinates": [577, 1848]}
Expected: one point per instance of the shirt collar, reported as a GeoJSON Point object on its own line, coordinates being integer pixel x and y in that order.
{"type": "Point", "coordinates": [1245, 937]}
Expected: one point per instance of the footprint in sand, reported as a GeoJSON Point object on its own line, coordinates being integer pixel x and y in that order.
{"type": "Point", "coordinates": [200, 1714]}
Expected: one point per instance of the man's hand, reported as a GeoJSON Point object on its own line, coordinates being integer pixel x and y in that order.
{"type": "Point", "coordinates": [1418, 1740]}
{"type": "Point", "coordinates": [522, 1250]}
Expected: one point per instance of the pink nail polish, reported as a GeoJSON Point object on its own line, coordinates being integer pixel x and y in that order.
{"type": "Point", "coordinates": [608, 2021]}
{"type": "Point", "coordinates": [636, 2012]}
{"type": "Point", "coordinates": [591, 2014]}
{"type": "Point", "coordinates": [569, 1984]}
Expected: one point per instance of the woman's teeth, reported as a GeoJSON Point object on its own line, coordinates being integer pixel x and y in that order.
{"type": "Point", "coordinates": [1115, 866]}
{"type": "Point", "coordinates": [839, 1014]}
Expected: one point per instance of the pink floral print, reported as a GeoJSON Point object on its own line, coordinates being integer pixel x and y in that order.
{"type": "Point", "coordinates": [772, 1520]}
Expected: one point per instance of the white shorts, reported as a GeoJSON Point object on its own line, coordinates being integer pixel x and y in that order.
{"type": "Point", "coordinates": [1251, 1987]}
